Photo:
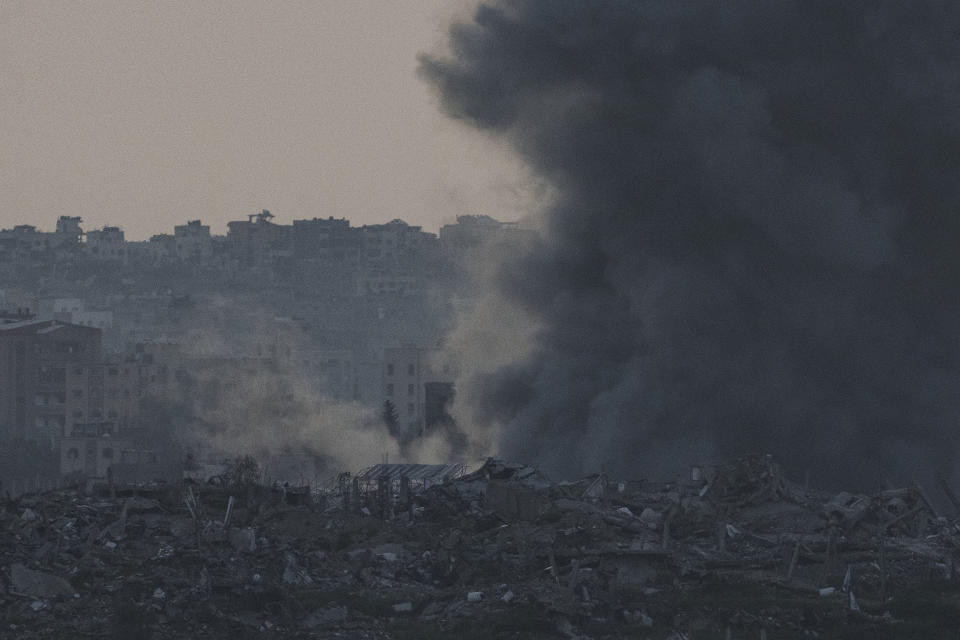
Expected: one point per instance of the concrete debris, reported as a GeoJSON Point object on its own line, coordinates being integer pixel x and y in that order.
{"type": "Point", "coordinates": [327, 617]}
{"type": "Point", "coordinates": [650, 518]}
{"type": "Point", "coordinates": [294, 574]}
{"type": "Point", "coordinates": [501, 552]}
{"type": "Point", "coordinates": [37, 584]}
{"type": "Point", "coordinates": [853, 603]}
{"type": "Point", "coordinates": [244, 540]}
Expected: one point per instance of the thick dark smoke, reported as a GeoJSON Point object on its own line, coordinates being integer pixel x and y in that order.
{"type": "Point", "coordinates": [754, 245]}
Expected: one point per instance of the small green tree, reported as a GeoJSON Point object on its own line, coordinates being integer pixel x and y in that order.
{"type": "Point", "coordinates": [390, 417]}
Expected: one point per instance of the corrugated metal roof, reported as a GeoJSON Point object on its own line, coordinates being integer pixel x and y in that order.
{"type": "Point", "coordinates": [51, 328]}
{"type": "Point", "coordinates": [12, 326]}
{"type": "Point", "coordinates": [412, 471]}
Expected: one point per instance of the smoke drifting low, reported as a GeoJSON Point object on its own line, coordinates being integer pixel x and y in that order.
{"type": "Point", "coordinates": [753, 240]}
{"type": "Point", "coordinates": [249, 382]}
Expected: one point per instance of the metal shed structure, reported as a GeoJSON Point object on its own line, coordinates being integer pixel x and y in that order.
{"type": "Point", "coordinates": [422, 474]}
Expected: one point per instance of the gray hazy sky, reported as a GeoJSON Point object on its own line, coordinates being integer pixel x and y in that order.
{"type": "Point", "coordinates": [145, 115]}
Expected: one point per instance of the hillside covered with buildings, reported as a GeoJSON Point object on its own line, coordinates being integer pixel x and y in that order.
{"type": "Point", "coordinates": [135, 355]}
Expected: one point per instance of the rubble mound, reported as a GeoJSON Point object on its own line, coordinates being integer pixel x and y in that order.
{"type": "Point", "coordinates": [502, 552]}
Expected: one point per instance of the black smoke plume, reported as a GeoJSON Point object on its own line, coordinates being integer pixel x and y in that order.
{"type": "Point", "coordinates": [754, 244]}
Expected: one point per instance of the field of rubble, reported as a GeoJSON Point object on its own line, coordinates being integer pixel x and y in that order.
{"type": "Point", "coordinates": [501, 552]}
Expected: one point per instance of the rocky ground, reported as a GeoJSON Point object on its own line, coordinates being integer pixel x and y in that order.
{"type": "Point", "coordinates": [736, 552]}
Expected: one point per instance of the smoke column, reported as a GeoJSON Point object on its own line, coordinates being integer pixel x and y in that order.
{"type": "Point", "coordinates": [754, 240]}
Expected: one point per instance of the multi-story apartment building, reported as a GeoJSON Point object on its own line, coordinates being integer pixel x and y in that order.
{"type": "Point", "coordinates": [106, 244]}
{"type": "Point", "coordinates": [18, 302]}
{"type": "Point", "coordinates": [192, 242]}
{"type": "Point", "coordinates": [34, 357]}
{"type": "Point", "coordinates": [418, 383]}
{"type": "Point", "coordinates": [325, 239]}
{"type": "Point", "coordinates": [25, 239]}
{"type": "Point", "coordinates": [471, 235]}
{"type": "Point", "coordinates": [101, 399]}
{"type": "Point", "coordinates": [258, 242]}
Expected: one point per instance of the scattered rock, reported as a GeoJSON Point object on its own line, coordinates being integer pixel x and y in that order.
{"type": "Point", "coordinates": [327, 617]}
{"type": "Point", "coordinates": [243, 540]}
{"type": "Point", "coordinates": [37, 584]}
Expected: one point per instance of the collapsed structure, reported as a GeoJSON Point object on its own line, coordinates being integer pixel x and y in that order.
{"type": "Point", "coordinates": [413, 551]}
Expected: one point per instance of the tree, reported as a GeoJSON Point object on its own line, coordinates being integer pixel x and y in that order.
{"type": "Point", "coordinates": [390, 417]}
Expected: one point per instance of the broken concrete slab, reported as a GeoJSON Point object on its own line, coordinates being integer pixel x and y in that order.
{"type": "Point", "coordinates": [326, 617]}
{"type": "Point", "coordinates": [515, 501]}
{"type": "Point", "coordinates": [37, 584]}
{"type": "Point", "coordinates": [243, 540]}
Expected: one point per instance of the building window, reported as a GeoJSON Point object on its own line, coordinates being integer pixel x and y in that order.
{"type": "Point", "coordinates": [78, 393]}
{"type": "Point", "coordinates": [410, 409]}
{"type": "Point", "coordinates": [411, 369]}
{"type": "Point", "coordinates": [389, 369]}
{"type": "Point", "coordinates": [73, 453]}
{"type": "Point", "coordinates": [389, 389]}
{"type": "Point", "coordinates": [107, 454]}
{"type": "Point", "coordinates": [78, 371]}
{"type": "Point", "coordinates": [410, 389]}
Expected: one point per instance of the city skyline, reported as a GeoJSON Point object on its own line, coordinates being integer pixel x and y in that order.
{"type": "Point", "coordinates": [146, 116]}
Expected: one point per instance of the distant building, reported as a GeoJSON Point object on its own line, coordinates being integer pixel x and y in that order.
{"type": "Point", "coordinates": [386, 283]}
{"type": "Point", "coordinates": [68, 227]}
{"type": "Point", "coordinates": [92, 457]}
{"type": "Point", "coordinates": [393, 241]}
{"type": "Point", "coordinates": [34, 357]}
{"type": "Point", "coordinates": [106, 244]}
{"type": "Point", "coordinates": [49, 307]}
{"type": "Point", "coordinates": [25, 240]}
{"type": "Point", "coordinates": [18, 303]}
{"type": "Point", "coordinates": [259, 242]}
{"type": "Point", "coordinates": [472, 233]}
{"type": "Point", "coordinates": [334, 372]}
{"type": "Point", "coordinates": [100, 400]}
{"type": "Point", "coordinates": [325, 239]}
{"type": "Point", "coordinates": [419, 383]}
{"type": "Point", "coordinates": [103, 429]}
{"type": "Point", "coordinates": [152, 366]}
{"type": "Point", "coordinates": [192, 242]}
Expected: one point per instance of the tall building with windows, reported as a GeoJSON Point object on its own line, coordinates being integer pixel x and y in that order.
{"type": "Point", "coordinates": [34, 357]}
{"type": "Point", "coordinates": [419, 383]}
{"type": "Point", "coordinates": [106, 244]}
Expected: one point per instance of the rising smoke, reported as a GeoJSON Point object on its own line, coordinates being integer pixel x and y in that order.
{"type": "Point", "coordinates": [248, 382]}
{"type": "Point", "coordinates": [753, 245]}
